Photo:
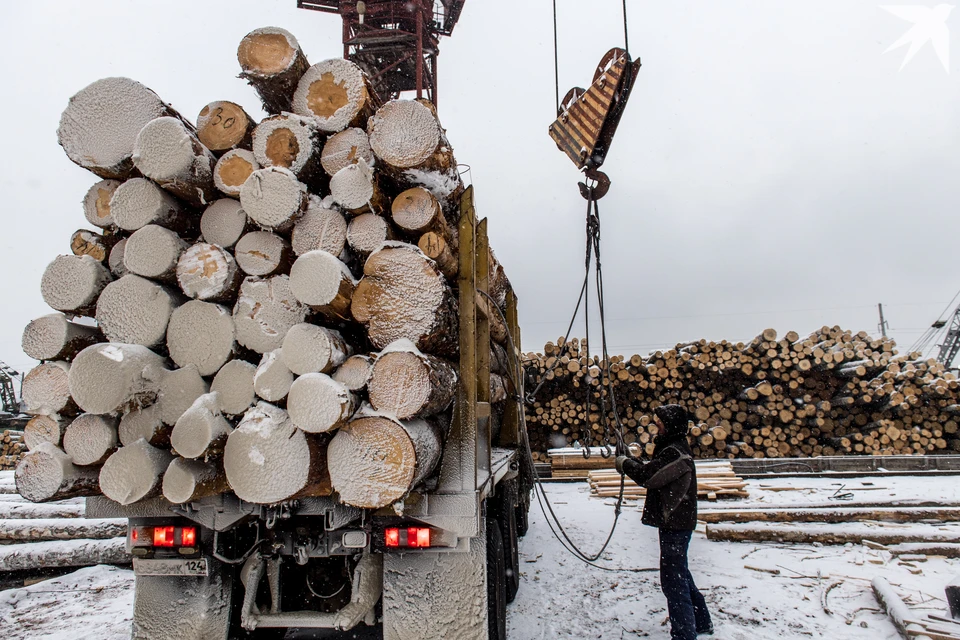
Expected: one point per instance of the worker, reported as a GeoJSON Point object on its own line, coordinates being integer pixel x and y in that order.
{"type": "Point", "coordinates": [671, 506]}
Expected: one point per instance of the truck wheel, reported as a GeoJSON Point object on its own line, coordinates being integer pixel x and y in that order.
{"type": "Point", "coordinates": [511, 542]}
{"type": "Point", "coordinates": [496, 583]}
{"type": "Point", "coordinates": [522, 513]}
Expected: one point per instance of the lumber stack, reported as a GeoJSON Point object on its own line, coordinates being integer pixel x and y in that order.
{"type": "Point", "coordinates": [715, 479]}
{"type": "Point", "coordinates": [258, 310]}
{"type": "Point", "coordinates": [833, 392]}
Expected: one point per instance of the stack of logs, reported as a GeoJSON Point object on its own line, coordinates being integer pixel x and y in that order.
{"type": "Point", "coordinates": [831, 393]}
{"type": "Point", "coordinates": [12, 448]}
{"type": "Point", "coordinates": [267, 309]}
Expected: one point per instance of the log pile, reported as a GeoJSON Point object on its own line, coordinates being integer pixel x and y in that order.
{"type": "Point", "coordinates": [12, 449]}
{"type": "Point", "coordinates": [830, 393]}
{"type": "Point", "coordinates": [253, 313]}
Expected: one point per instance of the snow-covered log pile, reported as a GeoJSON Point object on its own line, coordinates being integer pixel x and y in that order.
{"type": "Point", "coordinates": [246, 285]}
{"type": "Point", "coordinates": [831, 393]}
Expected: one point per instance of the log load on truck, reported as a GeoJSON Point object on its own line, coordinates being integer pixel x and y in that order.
{"type": "Point", "coordinates": [288, 356]}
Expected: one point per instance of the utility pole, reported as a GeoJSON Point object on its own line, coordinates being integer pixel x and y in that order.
{"type": "Point", "coordinates": [883, 323]}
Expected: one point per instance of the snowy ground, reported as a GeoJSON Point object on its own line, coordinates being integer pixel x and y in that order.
{"type": "Point", "coordinates": [563, 598]}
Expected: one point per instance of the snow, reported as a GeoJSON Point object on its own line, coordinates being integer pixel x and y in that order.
{"type": "Point", "coordinates": [308, 348]}
{"type": "Point", "coordinates": [320, 227]}
{"type": "Point", "coordinates": [352, 187]}
{"type": "Point", "coordinates": [232, 169]}
{"type": "Point", "coordinates": [273, 378]}
{"type": "Point", "coordinates": [73, 282]}
{"type": "Point", "coordinates": [46, 389]}
{"type": "Point", "coordinates": [205, 271]}
{"type": "Point", "coordinates": [135, 310]}
{"type": "Point", "coordinates": [273, 197]}
{"type": "Point", "coordinates": [96, 203]}
{"type": "Point", "coordinates": [316, 277]}
{"type": "Point", "coordinates": [344, 75]}
{"type": "Point", "coordinates": [223, 222]}
{"type": "Point", "coordinates": [166, 150]}
{"type": "Point", "coordinates": [404, 133]}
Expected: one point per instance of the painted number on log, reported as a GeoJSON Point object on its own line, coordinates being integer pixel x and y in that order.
{"type": "Point", "coordinates": [218, 115]}
{"type": "Point", "coordinates": [164, 567]}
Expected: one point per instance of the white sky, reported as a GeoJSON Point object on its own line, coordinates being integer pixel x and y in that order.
{"type": "Point", "coordinates": [774, 168]}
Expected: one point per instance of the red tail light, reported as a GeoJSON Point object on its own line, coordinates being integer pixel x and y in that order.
{"type": "Point", "coordinates": [188, 536]}
{"type": "Point", "coordinates": [163, 536]}
{"type": "Point", "coordinates": [409, 537]}
{"type": "Point", "coordinates": [423, 537]}
{"type": "Point", "coordinates": [392, 537]}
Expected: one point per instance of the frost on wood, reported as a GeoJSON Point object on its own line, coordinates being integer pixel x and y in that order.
{"type": "Point", "coordinates": [135, 310]}
{"type": "Point", "coordinates": [90, 439]}
{"type": "Point", "coordinates": [267, 459]}
{"type": "Point", "coordinates": [223, 222]}
{"type": "Point", "coordinates": [134, 472]}
{"type": "Point", "coordinates": [47, 473]}
{"type": "Point", "coordinates": [53, 337]}
{"type": "Point", "coordinates": [292, 142]}
{"type": "Point", "coordinates": [208, 272]}
{"type": "Point", "coordinates": [409, 384]}
{"type": "Point", "coordinates": [375, 461]}
{"type": "Point", "coordinates": [261, 253]}
{"type": "Point", "coordinates": [99, 127]}
{"type": "Point", "coordinates": [232, 170]}
{"type": "Point", "coordinates": [224, 125]}
{"type": "Point", "coordinates": [334, 93]}
{"type": "Point", "coordinates": [43, 429]}
{"type": "Point", "coordinates": [308, 348]}
{"type": "Point", "coordinates": [265, 311]}
{"type": "Point", "coordinates": [201, 334]}
{"type": "Point", "coordinates": [188, 480]}
{"type": "Point", "coordinates": [346, 148]}
{"type": "Point", "coordinates": [63, 553]}
{"type": "Point", "coordinates": [355, 189]}
{"type": "Point", "coordinates": [96, 204]}
{"type": "Point", "coordinates": [169, 153]}
{"type": "Point", "coordinates": [139, 202]}
{"type": "Point", "coordinates": [323, 282]}
{"type": "Point", "coordinates": [106, 378]}
{"type": "Point", "coordinates": [153, 252]}
{"type": "Point", "coordinates": [73, 283]}
{"type": "Point", "coordinates": [404, 133]}
{"type": "Point", "coordinates": [273, 378]}
{"type": "Point", "coordinates": [319, 404]}
{"type": "Point", "coordinates": [320, 227]}
{"type": "Point", "coordinates": [178, 391]}
{"type": "Point", "coordinates": [273, 63]}
{"type": "Point", "coordinates": [202, 430]}
{"type": "Point", "coordinates": [46, 390]}
{"type": "Point", "coordinates": [367, 232]}
{"type": "Point", "coordinates": [274, 198]}
{"type": "Point", "coordinates": [115, 260]}
{"type": "Point", "coordinates": [234, 384]}
{"type": "Point", "coordinates": [144, 423]}
{"type": "Point", "coordinates": [355, 372]}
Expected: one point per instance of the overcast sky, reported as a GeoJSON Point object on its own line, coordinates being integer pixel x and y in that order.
{"type": "Point", "coordinates": [774, 168]}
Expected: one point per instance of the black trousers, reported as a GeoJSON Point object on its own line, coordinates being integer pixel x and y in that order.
{"type": "Point", "coordinates": [685, 604]}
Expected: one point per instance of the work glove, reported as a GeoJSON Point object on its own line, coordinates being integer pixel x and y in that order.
{"type": "Point", "coordinates": [620, 461]}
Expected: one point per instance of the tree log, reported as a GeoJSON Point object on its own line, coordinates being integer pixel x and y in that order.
{"type": "Point", "coordinates": [319, 404]}
{"type": "Point", "coordinates": [46, 390]}
{"type": "Point", "coordinates": [153, 252]}
{"type": "Point", "coordinates": [145, 423]}
{"type": "Point", "coordinates": [234, 384]}
{"type": "Point", "coordinates": [273, 378]}
{"type": "Point", "coordinates": [335, 93]}
{"type": "Point", "coordinates": [201, 432]}
{"type": "Point", "coordinates": [265, 311]}
{"type": "Point", "coordinates": [115, 260]}
{"type": "Point", "coordinates": [267, 459]}
{"type": "Point", "coordinates": [903, 619]}
{"type": "Point", "coordinates": [73, 284]}
{"type": "Point", "coordinates": [189, 480]}
{"type": "Point", "coordinates": [168, 152]}
{"type": "Point", "coordinates": [224, 222]}
{"type": "Point", "coordinates": [375, 461]}
{"type": "Point", "coordinates": [274, 198]}
{"type": "Point", "coordinates": [291, 142]}
{"type": "Point", "coordinates": [355, 372]}
{"type": "Point", "coordinates": [134, 310]}
{"type": "Point", "coordinates": [96, 204]}
{"type": "Point", "coordinates": [261, 253]}
{"type": "Point", "coordinates": [63, 553]}
{"type": "Point", "coordinates": [47, 474]}
{"type": "Point", "coordinates": [346, 148]}
{"type": "Point", "coordinates": [321, 227]}
{"type": "Point", "coordinates": [806, 534]}
{"type": "Point", "coordinates": [139, 202]}
{"type": "Point", "coordinates": [34, 530]}
{"type": "Point", "coordinates": [87, 243]}
{"type": "Point", "coordinates": [224, 125]}
{"type": "Point", "coordinates": [417, 211]}
{"type": "Point", "coordinates": [43, 429]}
{"type": "Point", "coordinates": [53, 337]}
{"type": "Point", "coordinates": [233, 169]}
{"type": "Point", "coordinates": [179, 389]}
{"type": "Point", "coordinates": [90, 439]}
{"type": "Point", "coordinates": [355, 189]}
{"type": "Point", "coordinates": [880, 513]}
{"type": "Point", "coordinates": [208, 272]}
{"type": "Point", "coordinates": [106, 378]}
{"type": "Point", "coordinates": [134, 472]}
{"type": "Point", "coordinates": [436, 247]}
{"type": "Point", "coordinates": [308, 348]}
{"type": "Point", "coordinates": [273, 64]}
{"type": "Point", "coordinates": [408, 384]}
{"type": "Point", "coordinates": [323, 282]}
{"type": "Point", "coordinates": [367, 232]}
{"type": "Point", "coordinates": [201, 334]}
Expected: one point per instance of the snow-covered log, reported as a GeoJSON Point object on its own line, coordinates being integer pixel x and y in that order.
{"type": "Point", "coordinates": [179, 389]}
{"type": "Point", "coordinates": [144, 423]}
{"type": "Point", "coordinates": [899, 612]}
{"type": "Point", "coordinates": [90, 439]}
{"type": "Point", "coordinates": [99, 127]}
{"type": "Point", "coordinates": [336, 94]}
{"type": "Point", "coordinates": [758, 532]}
{"type": "Point", "coordinates": [323, 282]}
{"type": "Point", "coordinates": [115, 260]}
{"type": "Point", "coordinates": [201, 334]}
{"type": "Point", "coordinates": [268, 459]}
{"type": "Point", "coordinates": [224, 125]}
{"type": "Point", "coordinates": [309, 348]}
{"type": "Point", "coordinates": [135, 310]}
{"type": "Point", "coordinates": [96, 203]}
{"type": "Point", "coordinates": [168, 152]}
{"type": "Point", "coordinates": [346, 148]}
{"type": "Point", "coordinates": [319, 404]}
{"type": "Point", "coordinates": [232, 170]}
{"type": "Point", "coordinates": [84, 242]}
{"type": "Point", "coordinates": [63, 553]}
{"type": "Point", "coordinates": [273, 378]}
{"type": "Point", "coordinates": [265, 311]}
{"type": "Point", "coordinates": [202, 430]}
{"type": "Point", "coordinates": [367, 232]}
{"type": "Point", "coordinates": [417, 211]}
{"type": "Point", "coordinates": [38, 530]}
{"type": "Point", "coordinates": [224, 222]}
{"type": "Point", "coordinates": [261, 253]}
{"type": "Point", "coordinates": [153, 252]}
{"type": "Point", "coordinates": [43, 429]}
{"type": "Point", "coordinates": [355, 189]}
{"type": "Point", "coordinates": [355, 372]}
{"type": "Point", "coordinates": [234, 384]}
{"type": "Point", "coordinates": [46, 390]}
{"type": "Point", "coordinates": [106, 378]}
{"type": "Point", "coordinates": [274, 198]}
{"type": "Point", "coordinates": [17, 510]}
{"type": "Point", "coordinates": [409, 384]}
{"type": "Point", "coordinates": [320, 227]}
{"type": "Point", "coordinates": [292, 142]}
{"type": "Point", "coordinates": [375, 461]}
{"type": "Point", "coordinates": [73, 284]}
{"type": "Point", "coordinates": [273, 64]}
{"type": "Point", "coordinates": [139, 202]}
{"type": "Point", "coordinates": [134, 472]}
{"type": "Point", "coordinates": [53, 337]}
{"type": "Point", "coordinates": [208, 272]}
{"type": "Point", "coordinates": [47, 473]}
{"type": "Point", "coordinates": [188, 480]}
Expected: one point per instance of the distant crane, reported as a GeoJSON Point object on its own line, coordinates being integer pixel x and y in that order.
{"type": "Point", "coordinates": [945, 335]}
{"type": "Point", "coordinates": [8, 395]}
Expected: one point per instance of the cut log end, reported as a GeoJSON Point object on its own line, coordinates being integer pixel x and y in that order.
{"type": "Point", "coordinates": [273, 378]}
{"type": "Point", "coordinates": [179, 389]}
{"type": "Point", "coordinates": [334, 92]}
{"type": "Point", "coordinates": [273, 198]}
{"type": "Point", "coordinates": [224, 222]}
{"type": "Point", "coordinates": [139, 202]}
{"type": "Point", "coordinates": [265, 311]}
{"type": "Point", "coordinates": [233, 169]}
{"type": "Point", "coordinates": [144, 423]}
{"type": "Point", "coordinates": [96, 204]}
{"type": "Point", "coordinates": [49, 474]}
{"type": "Point", "coordinates": [367, 232]}
{"type": "Point", "coordinates": [273, 63]}
{"type": "Point", "coordinates": [134, 472]}
{"type": "Point", "coordinates": [135, 310]}
{"type": "Point", "coordinates": [308, 348]}
{"type": "Point", "coordinates": [355, 372]}
{"type": "Point", "coordinates": [223, 125]}
{"type": "Point", "coordinates": [208, 272]}
{"type": "Point", "coordinates": [73, 283]}
{"type": "Point", "coordinates": [322, 281]}
{"type": "Point", "coordinates": [169, 153]}
{"type": "Point", "coordinates": [321, 227]}
{"type": "Point", "coordinates": [201, 334]}
{"type": "Point", "coordinates": [319, 404]}
{"type": "Point", "coordinates": [106, 378]}
{"type": "Point", "coordinates": [409, 384]}
{"type": "Point", "coordinates": [202, 430]}
{"type": "Point", "coordinates": [153, 252]}
{"type": "Point", "coordinates": [90, 439]}
{"type": "Point", "coordinates": [53, 337]}
{"type": "Point", "coordinates": [346, 148]}
{"type": "Point", "coordinates": [404, 133]}
{"type": "Point", "coordinates": [261, 253]}
{"type": "Point", "coordinates": [46, 390]}
{"type": "Point", "coordinates": [189, 480]}
{"type": "Point", "coordinates": [234, 384]}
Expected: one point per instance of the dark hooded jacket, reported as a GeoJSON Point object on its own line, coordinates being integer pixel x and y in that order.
{"type": "Point", "coordinates": [670, 477]}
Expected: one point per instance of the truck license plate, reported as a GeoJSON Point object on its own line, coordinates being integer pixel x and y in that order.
{"type": "Point", "coordinates": [170, 567]}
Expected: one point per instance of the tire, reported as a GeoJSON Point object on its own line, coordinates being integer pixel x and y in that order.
{"type": "Point", "coordinates": [522, 513]}
{"type": "Point", "coordinates": [496, 582]}
{"type": "Point", "coordinates": [507, 515]}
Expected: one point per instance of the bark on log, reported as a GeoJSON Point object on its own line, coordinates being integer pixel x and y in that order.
{"type": "Point", "coordinates": [355, 373]}
{"type": "Point", "coordinates": [498, 388]}
{"type": "Point", "coordinates": [73, 284]}
{"type": "Point", "coordinates": [321, 227]}
{"type": "Point", "coordinates": [273, 63]}
{"type": "Point", "coordinates": [208, 272]}
{"type": "Point", "coordinates": [189, 480]}
{"type": "Point", "coordinates": [99, 127]}
{"type": "Point", "coordinates": [261, 253]}
{"type": "Point", "coordinates": [36, 530]}
{"type": "Point", "coordinates": [63, 553]}
{"type": "Point", "coordinates": [367, 232]}
{"type": "Point", "coordinates": [87, 243]}
{"type": "Point", "coordinates": [375, 461]}
{"type": "Point", "coordinates": [319, 404]}
{"type": "Point", "coordinates": [53, 337]}
{"type": "Point", "coordinates": [47, 473]}
{"type": "Point", "coordinates": [201, 334]}
{"type": "Point", "coordinates": [232, 170]}
{"type": "Point", "coordinates": [806, 535]}
{"type": "Point", "coordinates": [267, 459]}
{"type": "Point", "coordinates": [409, 384]}
{"type": "Point", "coordinates": [168, 152]}
{"type": "Point", "coordinates": [336, 94]}
{"type": "Point", "coordinates": [346, 148]}
{"type": "Point", "coordinates": [179, 389]}
{"type": "Point", "coordinates": [46, 390]}
{"type": "Point", "coordinates": [834, 515]}
{"type": "Point", "coordinates": [224, 222]}
{"type": "Point", "coordinates": [23, 510]}
{"type": "Point", "coordinates": [90, 439]}
{"type": "Point", "coordinates": [355, 189]}
{"type": "Point", "coordinates": [134, 472]}
{"type": "Point", "coordinates": [106, 378]}
{"type": "Point", "coordinates": [308, 348]}
{"type": "Point", "coordinates": [153, 252]}
{"type": "Point", "coordinates": [291, 142]}
{"type": "Point", "coordinates": [224, 125]}
{"type": "Point", "coordinates": [144, 423]}
{"type": "Point", "coordinates": [273, 378]}
{"type": "Point", "coordinates": [234, 383]}
{"type": "Point", "coordinates": [265, 311]}
{"type": "Point", "coordinates": [134, 310]}
{"type": "Point", "coordinates": [324, 283]}
{"type": "Point", "coordinates": [274, 198]}
{"type": "Point", "coordinates": [115, 261]}
{"type": "Point", "coordinates": [139, 202]}
{"type": "Point", "coordinates": [96, 204]}
{"type": "Point", "coordinates": [43, 429]}
{"type": "Point", "coordinates": [403, 295]}
{"type": "Point", "coordinates": [201, 432]}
